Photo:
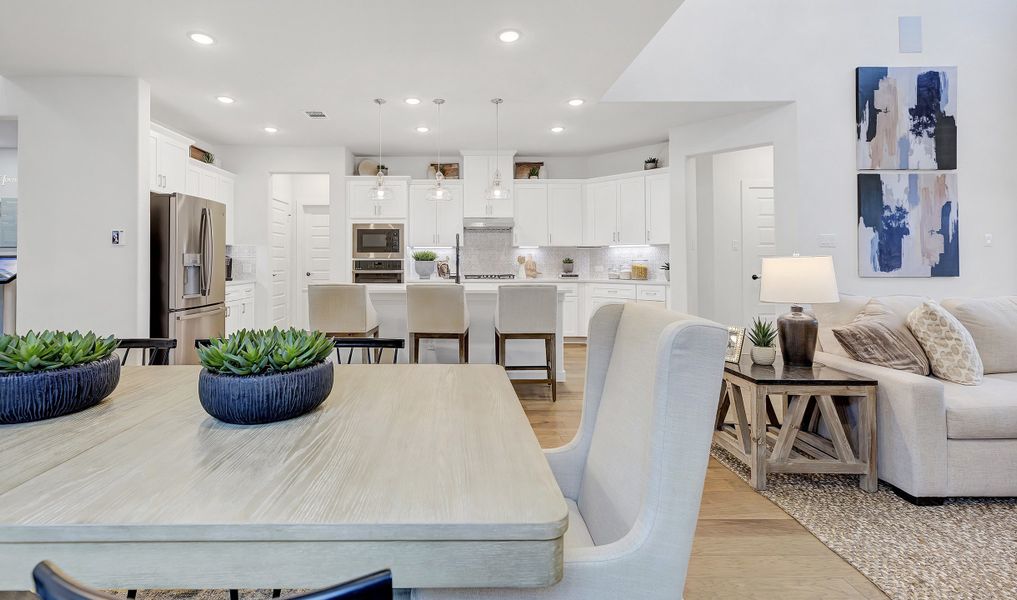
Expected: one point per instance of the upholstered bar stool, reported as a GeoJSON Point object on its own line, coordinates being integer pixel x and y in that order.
{"type": "Point", "coordinates": [342, 310]}
{"type": "Point", "coordinates": [437, 311]}
{"type": "Point", "coordinates": [528, 312]}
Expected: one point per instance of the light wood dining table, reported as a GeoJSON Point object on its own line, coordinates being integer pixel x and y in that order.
{"type": "Point", "coordinates": [432, 471]}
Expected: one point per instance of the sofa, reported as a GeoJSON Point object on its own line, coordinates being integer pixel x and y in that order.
{"type": "Point", "coordinates": [936, 438]}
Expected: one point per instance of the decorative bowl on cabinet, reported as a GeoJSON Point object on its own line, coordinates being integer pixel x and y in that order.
{"type": "Point", "coordinates": [265, 398]}
{"type": "Point", "coordinates": [38, 395]}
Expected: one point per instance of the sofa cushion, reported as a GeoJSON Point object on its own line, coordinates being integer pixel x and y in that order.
{"type": "Point", "coordinates": [880, 337]}
{"type": "Point", "coordinates": [988, 411]}
{"type": "Point", "coordinates": [992, 323]}
{"type": "Point", "coordinates": [951, 351]}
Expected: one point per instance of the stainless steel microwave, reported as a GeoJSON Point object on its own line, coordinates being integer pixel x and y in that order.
{"type": "Point", "coordinates": [378, 240]}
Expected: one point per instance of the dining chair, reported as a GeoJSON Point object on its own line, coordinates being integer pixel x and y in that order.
{"type": "Point", "coordinates": [633, 475]}
{"type": "Point", "coordinates": [158, 349]}
{"type": "Point", "coordinates": [342, 310]}
{"type": "Point", "coordinates": [53, 584]}
{"type": "Point", "coordinates": [528, 312]}
{"type": "Point", "coordinates": [437, 311]}
{"type": "Point", "coordinates": [378, 345]}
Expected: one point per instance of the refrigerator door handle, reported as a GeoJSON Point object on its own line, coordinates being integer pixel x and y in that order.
{"type": "Point", "coordinates": [203, 242]}
{"type": "Point", "coordinates": [211, 253]}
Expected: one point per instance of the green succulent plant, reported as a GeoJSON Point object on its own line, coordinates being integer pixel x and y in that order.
{"type": "Point", "coordinates": [567, 260]}
{"type": "Point", "coordinates": [48, 350]}
{"type": "Point", "coordinates": [425, 255]}
{"type": "Point", "coordinates": [762, 333]}
{"type": "Point", "coordinates": [250, 352]}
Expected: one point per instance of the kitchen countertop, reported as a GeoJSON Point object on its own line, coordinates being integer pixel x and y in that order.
{"type": "Point", "coordinates": [239, 282]}
{"type": "Point", "coordinates": [555, 280]}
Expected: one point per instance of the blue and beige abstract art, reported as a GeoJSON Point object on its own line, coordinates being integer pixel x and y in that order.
{"type": "Point", "coordinates": [907, 225]}
{"type": "Point", "coordinates": [906, 117]}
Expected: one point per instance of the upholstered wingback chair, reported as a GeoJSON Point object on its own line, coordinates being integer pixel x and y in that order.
{"type": "Point", "coordinates": [633, 475]}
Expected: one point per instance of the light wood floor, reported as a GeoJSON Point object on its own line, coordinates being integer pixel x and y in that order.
{"type": "Point", "coordinates": [745, 547]}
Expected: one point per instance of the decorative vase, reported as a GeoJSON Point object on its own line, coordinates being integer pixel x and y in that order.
{"type": "Point", "coordinates": [763, 355]}
{"type": "Point", "coordinates": [649, 165]}
{"type": "Point", "coordinates": [255, 399]}
{"type": "Point", "coordinates": [534, 177]}
{"type": "Point", "coordinates": [424, 268]}
{"type": "Point", "coordinates": [41, 395]}
{"type": "Point", "coordinates": [567, 267]}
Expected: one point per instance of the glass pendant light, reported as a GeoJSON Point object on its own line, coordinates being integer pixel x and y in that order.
{"type": "Point", "coordinates": [496, 191]}
{"type": "Point", "coordinates": [439, 193]}
{"type": "Point", "coordinates": [378, 192]}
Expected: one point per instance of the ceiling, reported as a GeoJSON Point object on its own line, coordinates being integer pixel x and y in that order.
{"type": "Point", "coordinates": [278, 59]}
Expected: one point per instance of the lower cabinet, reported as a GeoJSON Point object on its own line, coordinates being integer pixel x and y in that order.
{"type": "Point", "coordinates": [570, 310]}
{"type": "Point", "coordinates": [600, 294]}
{"type": "Point", "coordinates": [239, 307]}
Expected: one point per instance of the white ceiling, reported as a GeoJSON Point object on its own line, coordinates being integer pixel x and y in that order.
{"type": "Point", "coordinates": [279, 58]}
{"type": "Point", "coordinates": [8, 133]}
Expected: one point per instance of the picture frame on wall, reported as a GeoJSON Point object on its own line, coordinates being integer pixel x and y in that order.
{"type": "Point", "coordinates": [735, 341]}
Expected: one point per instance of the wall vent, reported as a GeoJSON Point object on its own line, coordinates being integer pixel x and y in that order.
{"type": "Point", "coordinates": [315, 114]}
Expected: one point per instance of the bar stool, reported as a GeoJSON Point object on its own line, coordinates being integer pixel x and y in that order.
{"type": "Point", "coordinates": [437, 311]}
{"type": "Point", "coordinates": [528, 312]}
{"type": "Point", "coordinates": [342, 310]}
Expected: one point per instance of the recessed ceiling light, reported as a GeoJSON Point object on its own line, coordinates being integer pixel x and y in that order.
{"type": "Point", "coordinates": [508, 36]}
{"type": "Point", "coordinates": [271, 130]}
{"type": "Point", "coordinates": [423, 129]}
{"type": "Point", "coordinates": [576, 102]}
{"type": "Point", "coordinates": [412, 101]}
{"type": "Point", "coordinates": [225, 99]}
{"type": "Point", "coordinates": [557, 129]}
{"type": "Point", "coordinates": [201, 38]}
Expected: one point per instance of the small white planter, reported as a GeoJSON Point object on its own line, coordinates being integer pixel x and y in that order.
{"type": "Point", "coordinates": [424, 268]}
{"type": "Point", "coordinates": [763, 355]}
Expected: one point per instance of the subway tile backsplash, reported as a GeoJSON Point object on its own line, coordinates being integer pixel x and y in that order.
{"type": "Point", "coordinates": [490, 252]}
{"type": "Point", "coordinates": [245, 258]}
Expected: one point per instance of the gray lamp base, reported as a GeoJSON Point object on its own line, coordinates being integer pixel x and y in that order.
{"type": "Point", "coordinates": [797, 331]}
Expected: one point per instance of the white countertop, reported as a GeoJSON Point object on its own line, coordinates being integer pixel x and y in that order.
{"type": "Point", "coordinates": [239, 282]}
{"type": "Point", "coordinates": [555, 280]}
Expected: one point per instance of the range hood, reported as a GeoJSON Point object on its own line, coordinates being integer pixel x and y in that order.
{"type": "Point", "coordinates": [488, 224]}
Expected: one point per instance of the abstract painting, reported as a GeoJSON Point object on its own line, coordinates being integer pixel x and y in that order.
{"type": "Point", "coordinates": [907, 225]}
{"type": "Point", "coordinates": [906, 117]}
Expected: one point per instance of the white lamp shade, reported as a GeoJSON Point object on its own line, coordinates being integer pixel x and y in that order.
{"type": "Point", "coordinates": [798, 280]}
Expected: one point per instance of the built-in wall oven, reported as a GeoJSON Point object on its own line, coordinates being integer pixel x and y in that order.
{"type": "Point", "coordinates": [378, 252]}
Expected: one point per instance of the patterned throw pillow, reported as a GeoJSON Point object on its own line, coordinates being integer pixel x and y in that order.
{"type": "Point", "coordinates": [879, 337]}
{"type": "Point", "coordinates": [948, 344]}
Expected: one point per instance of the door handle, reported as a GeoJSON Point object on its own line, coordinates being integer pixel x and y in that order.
{"type": "Point", "coordinates": [308, 273]}
{"type": "Point", "coordinates": [203, 242]}
{"type": "Point", "coordinates": [755, 277]}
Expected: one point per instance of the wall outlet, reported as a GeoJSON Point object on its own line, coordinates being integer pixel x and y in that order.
{"type": "Point", "coordinates": [827, 240]}
{"type": "Point", "coordinates": [118, 238]}
{"type": "Point", "coordinates": [988, 239]}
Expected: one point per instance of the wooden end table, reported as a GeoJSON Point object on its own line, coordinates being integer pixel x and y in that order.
{"type": "Point", "coordinates": [813, 394]}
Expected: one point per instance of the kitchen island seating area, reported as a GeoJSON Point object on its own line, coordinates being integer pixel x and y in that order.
{"type": "Point", "coordinates": [437, 311]}
{"type": "Point", "coordinates": [528, 312]}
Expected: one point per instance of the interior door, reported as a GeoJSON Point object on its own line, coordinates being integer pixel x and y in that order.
{"type": "Point", "coordinates": [315, 250]}
{"type": "Point", "coordinates": [279, 257]}
{"type": "Point", "coordinates": [759, 239]}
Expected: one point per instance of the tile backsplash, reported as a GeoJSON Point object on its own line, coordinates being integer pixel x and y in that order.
{"type": "Point", "coordinates": [489, 252]}
{"type": "Point", "coordinates": [245, 258]}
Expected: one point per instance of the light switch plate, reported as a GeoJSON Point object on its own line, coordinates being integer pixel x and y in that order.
{"type": "Point", "coordinates": [988, 239]}
{"type": "Point", "coordinates": [118, 237]}
{"type": "Point", "coordinates": [827, 240]}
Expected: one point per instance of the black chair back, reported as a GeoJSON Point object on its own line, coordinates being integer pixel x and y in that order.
{"type": "Point", "coordinates": [198, 343]}
{"type": "Point", "coordinates": [378, 345]}
{"type": "Point", "coordinates": [154, 351]}
{"type": "Point", "coordinates": [53, 584]}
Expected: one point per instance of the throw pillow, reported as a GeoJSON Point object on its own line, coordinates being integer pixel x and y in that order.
{"type": "Point", "coordinates": [992, 323]}
{"type": "Point", "coordinates": [879, 337]}
{"type": "Point", "coordinates": [950, 348]}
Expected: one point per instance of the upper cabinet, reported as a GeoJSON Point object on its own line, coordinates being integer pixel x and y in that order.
{"type": "Point", "coordinates": [362, 208]}
{"type": "Point", "coordinates": [628, 209]}
{"type": "Point", "coordinates": [548, 213]}
{"type": "Point", "coordinates": [530, 215]}
{"type": "Point", "coordinates": [167, 161]}
{"type": "Point", "coordinates": [478, 170]}
{"type": "Point", "coordinates": [435, 223]}
{"type": "Point", "coordinates": [658, 208]}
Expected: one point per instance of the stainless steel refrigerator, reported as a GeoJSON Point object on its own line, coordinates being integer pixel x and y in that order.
{"type": "Point", "coordinates": [188, 271]}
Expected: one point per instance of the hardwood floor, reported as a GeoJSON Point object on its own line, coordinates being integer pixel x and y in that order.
{"type": "Point", "coordinates": [745, 547]}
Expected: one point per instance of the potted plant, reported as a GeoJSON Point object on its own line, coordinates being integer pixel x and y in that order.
{"type": "Point", "coordinates": [53, 373]}
{"type": "Point", "coordinates": [666, 268]}
{"type": "Point", "coordinates": [650, 163]}
{"type": "Point", "coordinates": [534, 172]}
{"type": "Point", "coordinates": [763, 336]}
{"type": "Point", "coordinates": [383, 170]}
{"type": "Point", "coordinates": [254, 377]}
{"type": "Point", "coordinates": [567, 264]}
{"type": "Point", "coordinates": [423, 263]}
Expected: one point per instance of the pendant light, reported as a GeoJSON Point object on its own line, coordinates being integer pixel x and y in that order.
{"type": "Point", "coordinates": [439, 193]}
{"type": "Point", "coordinates": [496, 191]}
{"type": "Point", "coordinates": [378, 192]}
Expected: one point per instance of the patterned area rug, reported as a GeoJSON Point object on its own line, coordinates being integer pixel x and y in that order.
{"type": "Point", "coordinates": [963, 550]}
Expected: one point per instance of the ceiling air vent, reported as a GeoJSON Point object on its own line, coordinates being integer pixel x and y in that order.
{"type": "Point", "coordinates": [315, 114]}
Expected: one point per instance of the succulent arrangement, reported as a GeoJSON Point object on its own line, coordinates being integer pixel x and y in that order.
{"type": "Point", "coordinates": [762, 334]}
{"type": "Point", "coordinates": [534, 171]}
{"type": "Point", "coordinates": [252, 352]}
{"type": "Point", "coordinates": [567, 260]}
{"type": "Point", "coordinates": [425, 255]}
{"type": "Point", "coordinates": [651, 160]}
{"type": "Point", "coordinates": [49, 350]}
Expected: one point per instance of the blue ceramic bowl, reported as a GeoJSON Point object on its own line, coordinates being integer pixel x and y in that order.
{"type": "Point", "coordinates": [41, 395]}
{"type": "Point", "coordinates": [255, 399]}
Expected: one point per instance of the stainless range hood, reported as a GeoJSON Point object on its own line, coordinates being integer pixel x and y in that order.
{"type": "Point", "coordinates": [488, 224]}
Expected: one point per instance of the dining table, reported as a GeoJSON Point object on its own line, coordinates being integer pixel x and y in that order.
{"type": "Point", "coordinates": [432, 471]}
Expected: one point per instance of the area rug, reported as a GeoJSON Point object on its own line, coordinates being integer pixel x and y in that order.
{"type": "Point", "coordinates": [963, 550]}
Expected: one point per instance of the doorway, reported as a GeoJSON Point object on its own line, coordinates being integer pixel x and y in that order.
{"type": "Point", "coordinates": [736, 227]}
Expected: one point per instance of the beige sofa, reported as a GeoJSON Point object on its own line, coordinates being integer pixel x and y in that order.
{"type": "Point", "coordinates": [936, 438]}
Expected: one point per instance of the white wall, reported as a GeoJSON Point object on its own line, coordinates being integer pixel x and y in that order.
{"type": "Point", "coordinates": [310, 189]}
{"type": "Point", "coordinates": [9, 167]}
{"type": "Point", "coordinates": [254, 166]}
{"type": "Point", "coordinates": [806, 54]}
{"type": "Point", "coordinates": [627, 160]}
{"type": "Point", "coordinates": [82, 171]}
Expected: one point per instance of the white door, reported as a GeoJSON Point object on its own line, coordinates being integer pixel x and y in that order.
{"type": "Point", "coordinates": [279, 255]}
{"type": "Point", "coordinates": [530, 214]}
{"type": "Point", "coordinates": [564, 214]}
{"type": "Point", "coordinates": [450, 217]}
{"type": "Point", "coordinates": [423, 217]}
{"type": "Point", "coordinates": [759, 239]}
{"type": "Point", "coordinates": [658, 208]}
{"type": "Point", "coordinates": [603, 207]}
{"type": "Point", "coordinates": [315, 246]}
{"type": "Point", "coordinates": [632, 210]}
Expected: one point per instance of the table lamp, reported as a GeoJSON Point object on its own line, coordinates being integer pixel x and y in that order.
{"type": "Point", "coordinates": [798, 280]}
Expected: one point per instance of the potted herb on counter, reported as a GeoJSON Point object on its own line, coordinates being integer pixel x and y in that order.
{"type": "Point", "coordinates": [666, 268]}
{"type": "Point", "coordinates": [650, 163]}
{"type": "Point", "coordinates": [254, 377]}
{"type": "Point", "coordinates": [423, 263]}
{"type": "Point", "coordinates": [764, 342]}
{"type": "Point", "coordinates": [53, 373]}
{"type": "Point", "coordinates": [567, 264]}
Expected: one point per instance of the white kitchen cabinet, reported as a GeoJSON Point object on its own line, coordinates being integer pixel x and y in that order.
{"type": "Point", "coordinates": [530, 214]}
{"type": "Point", "coordinates": [478, 172]}
{"type": "Point", "coordinates": [168, 153]}
{"type": "Point", "coordinates": [564, 214]}
{"type": "Point", "coordinates": [602, 213]}
{"type": "Point", "coordinates": [225, 187]}
{"type": "Point", "coordinates": [154, 178]}
{"type": "Point", "coordinates": [631, 210]}
{"type": "Point", "coordinates": [239, 307]}
{"type": "Point", "coordinates": [570, 310]}
{"type": "Point", "coordinates": [658, 208]}
{"type": "Point", "coordinates": [435, 223]}
{"type": "Point", "coordinates": [363, 209]}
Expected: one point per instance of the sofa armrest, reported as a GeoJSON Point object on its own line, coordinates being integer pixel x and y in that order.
{"type": "Point", "coordinates": [910, 426]}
